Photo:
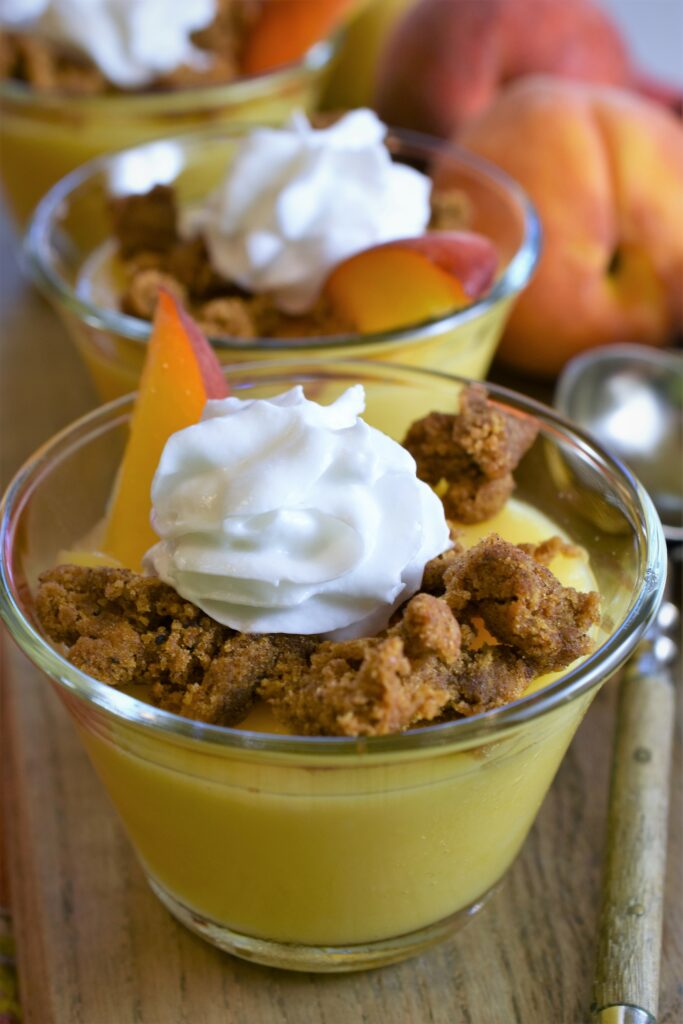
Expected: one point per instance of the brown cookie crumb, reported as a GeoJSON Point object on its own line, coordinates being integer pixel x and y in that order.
{"type": "Point", "coordinates": [522, 604]}
{"type": "Point", "coordinates": [473, 451]}
{"type": "Point", "coordinates": [145, 222]}
{"type": "Point", "coordinates": [451, 210]}
{"type": "Point", "coordinates": [141, 295]}
{"type": "Point", "coordinates": [547, 550]}
{"type": "Point", "coordinates": [47, 66]}
{"type": "Point", "coordinates": [227, 690]}
{"type": "Point", "coordinates": [356, 688]}
{"type": "Point", "coordinates": [188, 261]}
{"type": "Point", "coordinates": [227, 318]}
{"type": "Point", "coordinates": [114, 656]}
{"type": "Point", "coordinates": [487, 677]}
{"type": "Point", "coordinates": [433, 577]}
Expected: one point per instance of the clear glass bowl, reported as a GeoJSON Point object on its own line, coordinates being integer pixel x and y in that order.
{"type": "Point", "coordinates": [67, 240]}
{"type": "Point", "coordinates": [43, 136]}
{"type": "Point", "coordinates": [334, 854]}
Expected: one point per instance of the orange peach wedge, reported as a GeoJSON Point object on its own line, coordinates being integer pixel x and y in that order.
{"type": "Point", "coordinates": [285, 29]}
{"type": "Point", "coordinates": [180, 373]}
{"type": "Point", "coordinates": [404, 282]}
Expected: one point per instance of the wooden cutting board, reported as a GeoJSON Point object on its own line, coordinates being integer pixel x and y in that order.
{"type": "Point", "coordinates": [94, 945]}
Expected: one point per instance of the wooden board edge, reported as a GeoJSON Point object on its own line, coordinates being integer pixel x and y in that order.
{"type": "Point", "coordinates": [25, 908]}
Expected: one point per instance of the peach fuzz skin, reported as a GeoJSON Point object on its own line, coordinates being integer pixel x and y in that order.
{"type": "Point", "coordinates": [446, 60]}
{"type": "Point", "coordinates": [604, 169]}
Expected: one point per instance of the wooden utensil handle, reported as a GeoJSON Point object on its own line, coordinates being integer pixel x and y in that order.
{"type": "Point", "coordinates": [627, 967]}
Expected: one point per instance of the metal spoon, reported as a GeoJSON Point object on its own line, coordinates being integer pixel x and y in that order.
{"type": "Point", "coordinates": [631, 399]}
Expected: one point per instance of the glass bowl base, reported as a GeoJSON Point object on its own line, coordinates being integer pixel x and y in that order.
{"type": "Point", "coordinates": [291, 956]}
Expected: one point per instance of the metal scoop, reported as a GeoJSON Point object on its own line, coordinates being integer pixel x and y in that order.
{"type": "Point", "coordinates": [631, 399]}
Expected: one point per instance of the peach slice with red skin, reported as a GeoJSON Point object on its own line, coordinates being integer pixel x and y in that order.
{"type": "Point", "coordinates": [286, 29]}
{"type": "Point", "coordinates": [409, 280]}
{"type": "Point", "coordinates": [181, 372]}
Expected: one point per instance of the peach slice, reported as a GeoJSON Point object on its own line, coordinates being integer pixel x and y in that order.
{"type": "Point", "coordinates": [181, 372]}
{"type": "Point", "coordinates": [412, 279]}
{"type": "Point", "coordinates": [286, 29]}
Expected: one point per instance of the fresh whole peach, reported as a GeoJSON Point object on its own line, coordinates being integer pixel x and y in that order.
{"type": "Point", "coordinates": [446, 60]}
{"type": "Point", "coordinates": [604, 168]}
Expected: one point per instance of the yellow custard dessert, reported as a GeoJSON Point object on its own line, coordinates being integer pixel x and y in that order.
{"type": "Point", "coordinates": [337, 852]}
{"type": "Point", "coordinates": [329, 854]}
{"type": "Point", "coordinates": [79, 80]}
{"type": "Point", "coordinates": [258, 268]}
{"type": "Point", "coordinates": [310, 581]}
{"type": "Point", "coordinates": [70, 256]}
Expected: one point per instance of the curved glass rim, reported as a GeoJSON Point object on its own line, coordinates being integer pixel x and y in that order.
{"type": "Point", "coordinates": [579, 680]}
{"type": "Point", "coordinates": [37, 250]}
{"type": "Point", "coordinates": [170, 101]}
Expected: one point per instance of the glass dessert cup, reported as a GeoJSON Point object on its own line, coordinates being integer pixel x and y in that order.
{"type": "Point", "coordinates": [334, 854]}
{"type": "Point", "coordinates": [69, 252]}
{"type": "Point", "coordinates": [44, 136]}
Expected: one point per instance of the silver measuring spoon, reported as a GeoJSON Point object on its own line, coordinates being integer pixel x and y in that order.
{"type": "Point", "coordinates": [630, 398]}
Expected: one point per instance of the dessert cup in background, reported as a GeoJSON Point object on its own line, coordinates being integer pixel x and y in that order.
{"type": "Point", "coordinates": [69, 248]}
{"type": "Point", "coordinates": [334, 854]}
{"type": "Point", "coordinates": [43, 135]}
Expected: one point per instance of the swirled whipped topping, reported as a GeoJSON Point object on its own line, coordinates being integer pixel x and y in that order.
{"type": "Point", "coordinates": [284, 516]}
{"type": "Point", "coordinates": [296, 201]}
{"type": "Point", "coordinates": [131, 41]}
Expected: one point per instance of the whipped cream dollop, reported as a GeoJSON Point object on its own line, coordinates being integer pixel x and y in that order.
{"type": "Point", "coordinates": [284, 516]}
{"type": "Point", "coordinates": [131, 41]}
{"type": "Point", "coordinates": [297, 201]}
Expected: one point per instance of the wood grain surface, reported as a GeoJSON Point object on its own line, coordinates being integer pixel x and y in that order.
{"type": "Point", "coordinates": [628, 958]}
{"type": "Point", "coordinates": [95, 947]}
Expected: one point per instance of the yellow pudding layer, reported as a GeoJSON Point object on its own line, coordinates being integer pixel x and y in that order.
{"type": "Point", "coordinates": [335, 849]}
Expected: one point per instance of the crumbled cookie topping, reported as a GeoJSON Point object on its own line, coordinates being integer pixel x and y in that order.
{"type": "Point", "coordinates": [123, 628]}
{"type": "Point", "coordinates": [474, 451]}
{"type": "Point", "coordinates": [145, 227]}
{"type": "Point", "coordinates": [432, 663]}
{"type": "Point", "coordinates": [49, 66]}
{"type": "Point", "coordinates": [521, 603]}
{"type": "Point", "coordinates": [145, 223]}
{"type": "Point", "coordinates": [374, 686]}
{"type": "Point", "coordinates": [486, 621]}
